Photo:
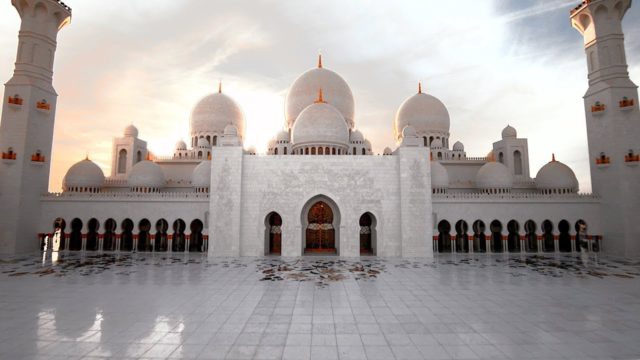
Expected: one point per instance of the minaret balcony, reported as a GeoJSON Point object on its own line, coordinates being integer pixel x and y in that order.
{"type": "Point", "coordinates": [598, 108]}
{"type": "Point", "coordinates": [626, 104]}
{"type": "Point", "coordinates": [579, 7]}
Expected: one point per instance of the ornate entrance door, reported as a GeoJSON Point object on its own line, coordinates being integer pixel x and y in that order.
{"type": "Point", "coordinates": [320, 233]}
{"type": "Point", "coordinates": [275, 234]}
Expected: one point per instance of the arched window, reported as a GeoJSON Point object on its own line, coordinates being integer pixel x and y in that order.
{"type": "Point", "coordinates": [430, 140]}
{"type": "Point", "coordinates": [275, 151]}
{"type": "Point", "coordinates": [306, 151]}
{"type": "Point", "coordinates": [138, 156]}
{"type": "Point", "coordinates": [364, 152]}
{"type": "Point", "coordinates": [439, 156]}
{"type": "Point", "coordinates": [285, 151]}
{"type": "Point", "coordinates": [426, 143]}
{"type": "Point", "coordinates": [214, 141]}
{"type": "Point", "coordinates": [501, 158]}
{"type": "Point", "coordinates": [199, 154]}
{"type": "Point", "coordinates": [313, 151]}
{"type": "Point", "coordinates": [320, 151]}
{"type": "Point", "coordinates": [354, 151]}
{"type": "Point", "coordinates": [122, 161]}
{"type": "Point", "coordinates": [517, 162]}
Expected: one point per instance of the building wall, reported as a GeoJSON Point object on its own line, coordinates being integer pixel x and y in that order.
{"type": "Point", "coordinates": [287, 184]}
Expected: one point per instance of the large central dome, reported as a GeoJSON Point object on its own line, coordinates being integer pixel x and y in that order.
{"type": "Point", "coordinates": [213, 113]}
{"type": "Point", "coordinates": [304, 92]}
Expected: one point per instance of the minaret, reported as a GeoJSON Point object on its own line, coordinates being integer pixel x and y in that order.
{"type": "Point", "coordinates": [613, 122]}
{"type": "Point", "coordinates": [26, 130]}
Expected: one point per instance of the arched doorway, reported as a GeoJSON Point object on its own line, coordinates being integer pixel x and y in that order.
{"type": "Point", "coordinates": [564, 241]}
{"type": "Point", "coordinates": [462, 239]}
{"type": "Point", "coordinates": [109, 239]}
{"type": "Point", "coordinates": [273, 234]}
{"type": "Point", "coordinates": [195, 240]}
{"type": "Point", "coordinates": [92, 235]}
{"type": "Point", "coordinates": [496, 236]}
{"type": "Point", "coordinates": [547, 230]}
{"type": "Point", "coordinates": [581, 236]}
{"type": "Point", "coordinates": [75, 239]}
{"type": "Point", "coordinates": [444, 239]}
{"type": "Point", "coordinates": [321, 224]}
{"type": "Point", "coordinates": [126, 237]}
{"type": "Point", "coordinates": [61, 225]}
{"type": "Point", "coordinates": [160, 242]}
{"type": "Point", "coordinates": [178, 244]}
{"type": "Point", "coordinates": [513, 239]}
{"type": "Point", "coordinates": [367, 234]}
{"type": "Point", "coordinates": [479, 238]}
{"type": "Point", "coordinates": [144, 238]}
{"type": "Point", "coordinates": [532, 238]}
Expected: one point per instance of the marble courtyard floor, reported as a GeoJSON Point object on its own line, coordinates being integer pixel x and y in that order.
{"type": "Point", "coordinates": [156, 306]}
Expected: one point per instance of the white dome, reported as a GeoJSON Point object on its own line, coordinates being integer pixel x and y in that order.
{"type": "Point", "coordinates": [84, 173]}
{"type": "Point", "coordinates": [201, 176]}
{"type": "Point", "coordinates": [181, 145]}
{"type": "Point", "coordinates": [282, 136]}
{"type": "Point", "coordinates": [252, 150]}
{"type": "Point", "coordinates": [436, 144]}
{"type": "Point", "coordinates": [214, 112]}
{"type": "Point", "coordinates": [367, 144]}
{"type": "Point", "coordinates": [439, 176]}
{"type": "Point", "coordinates": [509, 133]}
{"type": "Point", "coordinates": [146, 174]}
{"type": "Point", "coordinates": [320, 123]}
{"type": "Point", "coordinates": [494, 175]}
{"type": "Point", "coordinates": [387, 151]}
{"type": "Point", "coordinates": [356, 137]}
{"type": "Point", "coordinates": [409, 131]}
{"type": "Point", "coordinates": [556, 175]}
{"type": "Point", "coordinates": [304, 92]}
{"type": "Point", "coordinates": [424, 112]}
{"type": "Point", "coordinates": [203, 143]}
{"type": "Point", "coordinates": [131, 131]}
{"type": "Point", "coordinates": [458, 146]}
{"type": "Point", "coordinates": [230, 130]}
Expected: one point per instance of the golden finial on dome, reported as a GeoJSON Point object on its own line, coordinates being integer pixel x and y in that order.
{"type": "Point", "coordinates": [419, 87]}
{"type": "Point", "coordinates": [86, 157]}
{"type": "Point", "coordinates": [320, 98]}
{"type": "Point", "coordinates": [220, 87]}
{"type": "Point", "coordinates": [553, 157]}
{"type": "Point", "coordinates": [319, 61]}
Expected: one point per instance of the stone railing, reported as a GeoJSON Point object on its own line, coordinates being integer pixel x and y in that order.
{"type": "Point", "coordinates": [115, 182]}
{"type": "Point", "coordinates": [475, 158]}
{"type": "Point", "coordinates": [514, 196]}
{"type": "Point", "coordinates": [127, 195]}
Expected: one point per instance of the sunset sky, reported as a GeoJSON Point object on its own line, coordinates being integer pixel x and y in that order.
{"type": "Point", "coordinates": [148, 63]}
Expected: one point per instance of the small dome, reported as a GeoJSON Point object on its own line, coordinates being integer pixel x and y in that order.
{"type": "Point", "coordinates": [181, 145]}
{"type": "Point", "coordinates": [146, 174]}
{"type": "Point", "coordinates": [203, 143]}
{"type": "Point", "coordinates": [201, 176]}
{"type": "Point", "coordinates": [425, 113]}
{"type": "Point", "coordinates": [252, 150]}
{"type": "Point", "coordinates": [367, 145]}
{"type": "Point", "coordinates": [556, 175]}
{"type": "Point", "coordinates": [387, 151]}
{"type": "Point", "coordinates": [509, 132]}
{"type": "Point", "coordinates": [230, 130]}
{"type": "Point", "coordinates": [320, 123]}
{"type": "Point", "coordinates": [458, 146]}
{"type": "Point", "coordinates": [214, 112]}
{"type": "Point", "coordinates": [83, 174]}
{"type": "Point", "coordinates": [436, 144]}
{"type": "Point", "coordinates": [491, 156]}
{"type": "Point", "coordinates": [494, 175]}
{"type": "Point", "coordinates": [439, 176]}
{"type": "Point", "coordinates": [304, 92]}
{"type": "Point", "coordinates": [356, 137]}
{"type": "Point", "coordinates": [282, 136]}
{"type": "Point", "coordinates": [131, 131]}
{"type": "Point", "coordinates": [409, 131]}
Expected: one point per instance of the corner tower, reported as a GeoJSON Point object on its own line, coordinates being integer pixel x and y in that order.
{"type": "Point", "coordinates": [26, 130]}
{"type": "Point", "coordinates": [613, 122]}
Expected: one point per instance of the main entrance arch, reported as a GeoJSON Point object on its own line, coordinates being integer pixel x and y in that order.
{"type": "Point", "coordinates": [320, 221]}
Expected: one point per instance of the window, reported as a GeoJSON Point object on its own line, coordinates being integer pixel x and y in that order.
{"type": "Point", "coordinates": [517, 162]}
{"type": "Point", "coordinates": [122, 161]}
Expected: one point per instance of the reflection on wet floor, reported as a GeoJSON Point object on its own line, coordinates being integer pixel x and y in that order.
{"type": "Point", "coordinates": [321, 270]}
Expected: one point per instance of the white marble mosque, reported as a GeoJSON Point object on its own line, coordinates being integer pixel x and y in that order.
{"type": "Point", "coordinates": [320, 189]}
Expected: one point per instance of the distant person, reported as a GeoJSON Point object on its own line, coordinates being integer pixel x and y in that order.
{"type": "Point", "coordinates": [55, 243]}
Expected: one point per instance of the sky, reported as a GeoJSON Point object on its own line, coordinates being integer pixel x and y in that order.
{"type": "Point", "coordinates": [493, 63]}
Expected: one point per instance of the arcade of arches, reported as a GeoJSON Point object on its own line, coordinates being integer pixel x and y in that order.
{"type": "Point", "coordinates": [128, 236]}
{"type": "Point", "coordinates": [492, 237]}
